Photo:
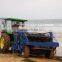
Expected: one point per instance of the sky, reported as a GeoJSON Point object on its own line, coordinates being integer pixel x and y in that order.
{"type": "Point", "coordinates": [31, 9]}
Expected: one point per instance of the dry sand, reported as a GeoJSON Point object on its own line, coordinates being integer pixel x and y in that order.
{"type": "Point", "coordinates": [16, 58]}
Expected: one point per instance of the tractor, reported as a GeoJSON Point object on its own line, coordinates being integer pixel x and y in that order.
{"type": "Point", "coordinates": [40, 44]}
{"type": "Point", "coordinates": [30, 43]}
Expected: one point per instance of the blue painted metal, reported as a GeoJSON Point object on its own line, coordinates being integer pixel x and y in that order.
{"type": "Point", "coordinates": [22, 34]}
{"type": "Point", "coordinates": [18, 44]}
{"type": "Point", "coordinates": [44, 44]}
{"type": "Point", "coordinates": [20, 39]}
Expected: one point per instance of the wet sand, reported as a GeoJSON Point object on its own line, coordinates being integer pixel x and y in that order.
{"type": "Point", "coordinates": [59, 51]}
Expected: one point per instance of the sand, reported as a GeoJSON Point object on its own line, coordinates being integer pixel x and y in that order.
{"type": "Point", "coordinates": [16, 58]}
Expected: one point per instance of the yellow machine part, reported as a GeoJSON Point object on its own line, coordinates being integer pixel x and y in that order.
{"type": "Point", "coordinates": [1, 42]}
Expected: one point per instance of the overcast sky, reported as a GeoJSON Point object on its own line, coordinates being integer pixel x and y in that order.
{"type": "Point", "coordinates": [31, 9]}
